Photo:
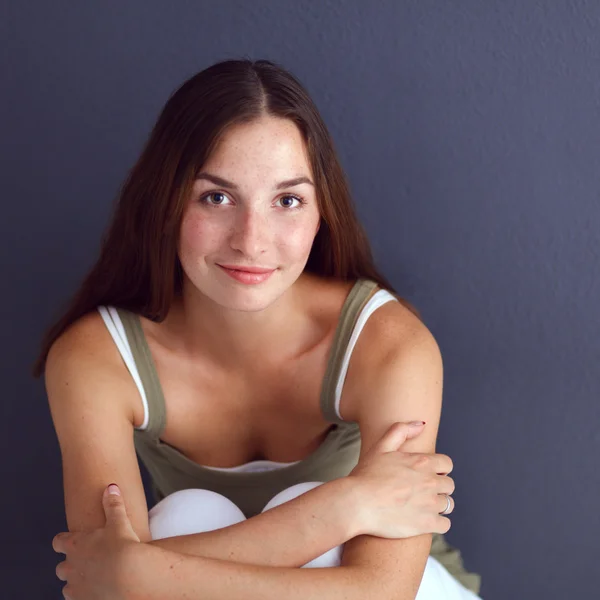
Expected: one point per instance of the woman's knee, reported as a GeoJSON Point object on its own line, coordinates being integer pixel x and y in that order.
{"type": "Point", "coordinates": [192, 511]}
{"type": "Point", "coordinates": [291, 492]}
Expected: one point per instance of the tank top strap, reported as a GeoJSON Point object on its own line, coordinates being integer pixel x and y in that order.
{"type": "Point", "coordinates": [147, 371]}
{"type": "Point", "coordinates": [359, 295]}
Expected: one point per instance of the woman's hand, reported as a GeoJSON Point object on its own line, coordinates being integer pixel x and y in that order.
{"type": "Point", "coordinates": [92, 568]}
{"type": "Point", "coordinates": [399, 492]}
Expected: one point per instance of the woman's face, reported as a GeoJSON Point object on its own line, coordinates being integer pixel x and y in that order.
{"type": "Point", "coordinates": [251, 219]}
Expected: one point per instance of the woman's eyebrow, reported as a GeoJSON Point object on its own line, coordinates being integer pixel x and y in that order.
{"type": "Point", "coordinates": [228, 184]}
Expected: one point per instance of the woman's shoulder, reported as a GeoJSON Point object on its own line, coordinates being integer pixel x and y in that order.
{"type": "Point", "coordinates": [388, 329]}
{"type": "Point", "coordinates": [85, 351]}
{"type": "Point", "coordinates": [86, 334]}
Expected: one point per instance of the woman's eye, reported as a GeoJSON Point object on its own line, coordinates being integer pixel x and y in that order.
{"type": "Point", "coordinates": [216, 195]}
{"type": "Point", "coordinates": [299, 200]}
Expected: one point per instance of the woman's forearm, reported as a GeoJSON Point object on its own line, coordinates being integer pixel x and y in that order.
{"type": "Point", "coordinates": [288, 535]}
{"type": "Point", "coordinates": [150, 573]}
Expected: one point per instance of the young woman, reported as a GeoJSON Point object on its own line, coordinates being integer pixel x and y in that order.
{"type": "Point", "coordinates": [236, 334]}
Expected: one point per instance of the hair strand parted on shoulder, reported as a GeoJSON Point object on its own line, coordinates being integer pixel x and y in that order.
{"type": "Point", "coordinates": [138, 268]}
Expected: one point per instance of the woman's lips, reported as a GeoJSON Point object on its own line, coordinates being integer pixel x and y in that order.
{"type": "Point", "coordinates": [246, 276]}
{"type": "Point", "coordinates": [248, 269]}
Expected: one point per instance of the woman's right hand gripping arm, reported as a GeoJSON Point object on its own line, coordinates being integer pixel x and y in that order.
{"type": "Point", "coordinates": [401, 494]}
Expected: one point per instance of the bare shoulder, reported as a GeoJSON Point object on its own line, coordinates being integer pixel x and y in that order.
{"type": "Point", "coordinates": [390, 327]}
{"type": "Point", "coordinates": [88, 332]}
{"type": "Point", "coordinates": [86, 342]}
{"type": "Point", "coordinates": [391, 330]}
{"type": "Point", "coordinates": [85, 351]}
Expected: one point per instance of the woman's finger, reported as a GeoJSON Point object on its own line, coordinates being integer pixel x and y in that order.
{"type": "Point", "coordinates": [446, 484]}
{"type": "Point", "coordinates": [443, 503]}
{"type": "Point", "coordinates": [60, 571]}
{"type": "Point", "coordinates": [59, 542]}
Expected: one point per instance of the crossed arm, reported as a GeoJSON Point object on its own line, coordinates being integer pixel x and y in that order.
{"type": "Point", "coordinates": [259, 557]}
{"type": "Point", "coordinates": [405, 386]}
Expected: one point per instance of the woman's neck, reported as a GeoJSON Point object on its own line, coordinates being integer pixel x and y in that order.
{"type": "Point", "coordinates": [246, 339]}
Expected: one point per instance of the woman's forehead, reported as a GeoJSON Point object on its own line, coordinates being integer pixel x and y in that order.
{"type": "Point", "coordinates": [269, 153]}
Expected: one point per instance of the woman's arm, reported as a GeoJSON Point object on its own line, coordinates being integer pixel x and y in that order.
{"type": "Point", "coordinates": [110, 563]}
{"type": "Point", "coordinates": [403, 383]}
{"type": "Point", "coordinates": [288, 535]}
{"type": "Point", "coordinates": [87, 393]}
{"type": "Point", "coordinates": [151, 573]}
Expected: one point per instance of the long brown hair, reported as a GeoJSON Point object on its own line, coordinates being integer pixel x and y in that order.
{"type": "Point", "coordinates": [138, 268]}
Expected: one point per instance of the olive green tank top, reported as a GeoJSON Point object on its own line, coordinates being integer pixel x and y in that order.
{"type": "Point", "coordinates": [170, 470]}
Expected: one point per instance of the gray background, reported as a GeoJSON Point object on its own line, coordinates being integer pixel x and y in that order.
{"type": "Point", "coordinates": [470, 133]}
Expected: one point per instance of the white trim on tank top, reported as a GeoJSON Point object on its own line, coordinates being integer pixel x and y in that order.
{"type": "Point", "coordinates": [378, 299]}
{"type": "Point", "coordinates": [117, 331]}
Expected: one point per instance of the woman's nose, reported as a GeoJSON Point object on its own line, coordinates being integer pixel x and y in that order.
{"type": "Point", "coordinates": [250, 233]}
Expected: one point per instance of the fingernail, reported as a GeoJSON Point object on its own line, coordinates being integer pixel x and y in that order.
{"type": "Point", "coordinates": [417, 423]}
{"type": "Point", "coordinates": [114, 489]}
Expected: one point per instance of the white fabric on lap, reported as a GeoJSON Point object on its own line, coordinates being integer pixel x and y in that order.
{"type": "Point", "coordinates": [192, 511]}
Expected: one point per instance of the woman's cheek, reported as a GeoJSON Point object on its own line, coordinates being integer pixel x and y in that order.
{"type": "Point", "coordinates": [200, 235]}
{"type": "Point", "coordinates": [298, 237]}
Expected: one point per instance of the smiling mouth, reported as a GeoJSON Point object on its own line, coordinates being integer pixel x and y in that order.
{"type": "Point", "coordinates": [247, 277]}
{"type": "Point", "coordinates": [257, 270]}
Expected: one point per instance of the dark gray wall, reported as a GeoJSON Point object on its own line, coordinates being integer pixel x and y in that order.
{"type": "Point", "coordinates": [470, 134]}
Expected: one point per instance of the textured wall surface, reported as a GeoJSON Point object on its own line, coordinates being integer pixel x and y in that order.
{"type": "Point", "coordinates": [470, 134]}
